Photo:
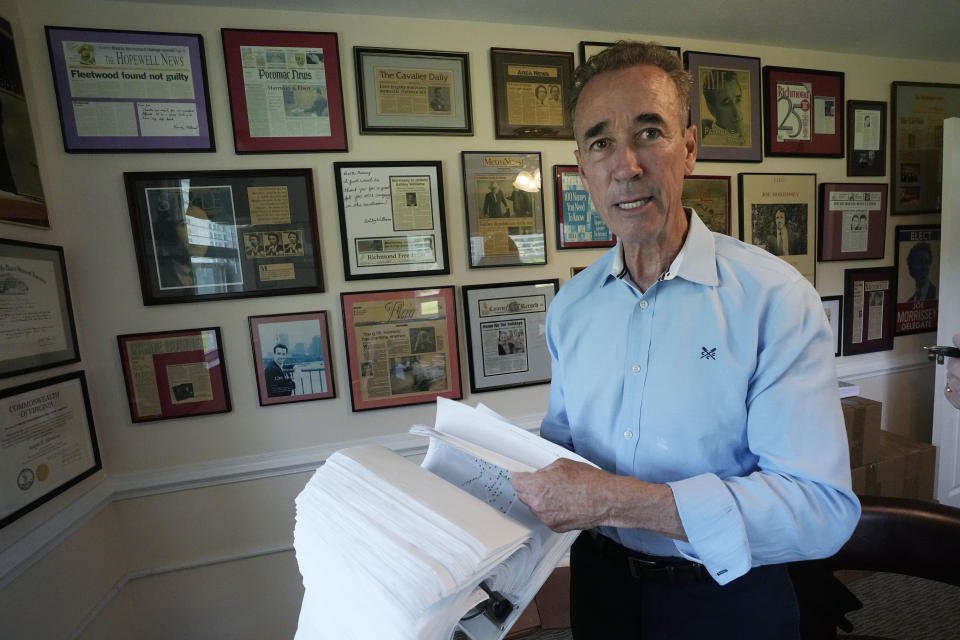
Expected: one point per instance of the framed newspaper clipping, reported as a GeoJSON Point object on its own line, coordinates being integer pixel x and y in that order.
{"type": "Point", "coordinates": [778, 212]}
{"type": "Point", "coordinates": [709, 196]}
{"type": "Point", "coordinates": [213, 235]}
{"type": "Point", "coordinates": [49, 442]}
{"type": "Point", "coordinates": [506, 333]}
{"type": "Point", "coordinates": [503, 199]}
{"type": "Point", "coordinates": [917, 260]}
{"type": "Point", "coordinates": [529, 93]}
{"type": "Point", "coordinates": [866, 138]}
{"type": "Point", "coordinates": [804, 112]}
{"type": "Point", "coordinates": [725, 106]}
{"type": "Point", "coordinates": [285, 90]}
{"type": "Point", "coordinates": [579, 225]}
{"type": "Point", "coordinates": [868, 310]}
{"type": "Point", "coordinates": [174, 374]}
{"type": "Point", "coordinates": [852, 221]}
{"type": "Point", "coordinates": [133, 91]}
{"type": "Point", "coordinates": [37, 330]}
{"type": "Point", "coordinates": [833, 309]}
{"type": "Point", "coordinates": [291, 357]}
{"type": "Point", "coordinates": [392, 220]}
{"type": "Point", "coordinates": [408, 91]}
{"type": "Point", "coordinates": [402, 346]}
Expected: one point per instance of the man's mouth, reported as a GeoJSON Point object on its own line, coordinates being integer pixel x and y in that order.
{"type": "Point", "coordinates": [633, 204]}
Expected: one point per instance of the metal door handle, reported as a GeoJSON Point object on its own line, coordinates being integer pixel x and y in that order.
{"type": "Point", "coordinates": [938, 352]}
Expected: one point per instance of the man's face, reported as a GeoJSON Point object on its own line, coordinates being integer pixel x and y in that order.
{"type": "Point", "coordinates": [292, 238]}
{"type": "Point", "coordinates": [633, 150]}
{"type": "Point", "coordinates": [918, 263]}
{"type": "Point", "coordinates": [279, 355]}
{"type": "Point", "coordinates": [272, 239]}
{"type": "Point", "coordinates": [724, 104]}
{"type": "Point", "coordinates": [781, 219]}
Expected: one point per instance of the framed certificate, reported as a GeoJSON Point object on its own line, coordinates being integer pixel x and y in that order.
{"type": "Point", "coordinates": [579, 225]}
{"type": "Point", "coordinates": [130, 90]}
{"type": "Point", "coordinates": [866, 138]}
{"type": "Point", "coordinates": [529, 93]}
{"type": "Point", "coordinates": [506, 333]}
{"type": "Point", "coordinates": [710, 198]}
{"type": "Point", "coordinates": [214, 235]}
{"type": "Point", "coordinates": [37, 329]}
{"type": "Point", "coordinates": [409, 91]}
{"type": "Point", "coordinates": [917, 260]}
{"type": "Point", "coordinates": [392, 221]}
{"type": "Point", "coordinates": [853, 221]}
{"type": "Point", "coordinates": [402, 346]}
{"type": "Point", "coordinates": [803, 112]}
{"type": "Point", "coordinates": [291, 357]}
{"type": "Point", "coordinates": [868, 310]}
{"type": "Point", "coordinates": [174, 374]}
{"type": "Point", "coordinates": [285, 90]}
{"type": "Point", "coordinates": [49, 442]}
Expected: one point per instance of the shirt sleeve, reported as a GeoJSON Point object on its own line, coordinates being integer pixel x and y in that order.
{"type": "Point", "coordinates": [798, 503]}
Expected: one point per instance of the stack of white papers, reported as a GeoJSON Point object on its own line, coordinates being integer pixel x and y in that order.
{"type": "Point", "coordinates": [390, 549]}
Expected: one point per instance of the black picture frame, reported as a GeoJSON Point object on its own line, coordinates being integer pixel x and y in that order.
{"type": "Point", "coordinates": [868, 312]}
{"type": "Point", "coordinates": [833, 308]}
{"type": "Point", "coordinates": [866, 138]}
{"type": "Point", "coordinates": [520, 110]}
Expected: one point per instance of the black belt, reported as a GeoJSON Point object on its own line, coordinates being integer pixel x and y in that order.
{"type": "Point", "coordinates": [662, 569]}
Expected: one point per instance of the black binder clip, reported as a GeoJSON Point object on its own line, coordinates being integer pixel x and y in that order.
{"type": "Point", "coordinates": [495, 608]}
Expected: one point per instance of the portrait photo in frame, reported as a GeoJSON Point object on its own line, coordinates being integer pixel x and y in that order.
{"type": "Point", "coordinates": [725, 106]}
{"type": "Point", "coordinates": [530, 92]}
{"type": "Point", "coordinates": [852, 221]}
{"type": "Point", "coordinates": [579, 225]}
{"type": "Point", "coordinates": [506, 328]}
{"type": "Point", "coordinates": [833, 308]}
{"type": "Point", "coordinates": [285, 90]}
{"type": "Point", "coordinates": [214, 235]}
{"type": "Point", "coordinates": [37, 329]}
{"type": "Point", "coordinates": [778, 212]}
{"type": "Point", "coordinates": [392, 218]}
{"type": "Point", "coordinates": [868, 310]}
{"type": "Point", "coordinates": [130, 91]}
{"type": "Point", "coordinates": [406, 91]}
{"type": "Point", "coordinates": [917, 260]}
{"type": "Point", "coordinates": [174, 374]}
{"type": "Point", "coordinates": [709, 196]}
{"type": "Point", "coordinates": [916, 154]}
{"type": "Point", "coordinates": [503, 199]}
{"type": "Point", "coordinates": [588, 48]}
{"type": "Point", "coordinates": [803, 112]}
{"type": "Point", "coordinates": [402, 347]}
{"type": "Point", "coordinates": [291, 357]}
{"type": "Point", "coordinates": [866, 138]}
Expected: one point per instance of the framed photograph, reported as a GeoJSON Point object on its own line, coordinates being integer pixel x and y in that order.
{"type": "Point", "coordinates": [50, 443]}
{"type": "Point", "coordinates": [37, 330]}
{"type": "Point", "coordinates": [529, 93]}
{"type": "Point", "coordinates": [579, 225]}
{"type": "Point", "coordinates": [402, 346]}
{"type": "Point", "coordinates": [588, 49]}
{"type": "Point", "coordinates": [214, 235]}
{"type": "Point", "coordinates": [21, 192]}
{"type": "Point", "coordinates": [291, 355]}
{"type": "Point", "coordinates": [868, 310]}
{"type": "Point", "coordinates": [803, 111]}
{"type": "Point", "coordinates": [285, 90]}
{"type": "Point", "coordinates": [392, 220]}
{"type": "Point", "coordinates": [130, 91]}
{"type": "Point", "coordinates": [174, 374]}
{"type": "Point", "coordinates": [725, 106]}
{"type": "Point", "coordinates": [506, 329]}
{"type": "Point", "coordinates": [833, 308]}
{"type": "Point", "coordinates": [710, 198]}
{"type": "Point", "coordinates": [853, 221]}
{"type": "Point", "coordinates": [916, 158]}
{"type": "Point", "coordinates": [866, 138]}
{"type": "Point", "coordinates": [504, 204]}
{"type": "Point", "coordinates": [408, 91]}
{"type": "Point", "coordinates": [778, 213]}
{"type": "Point", "coordinates": [917, 259]}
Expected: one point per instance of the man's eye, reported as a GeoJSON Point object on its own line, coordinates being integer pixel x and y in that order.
{"type": "Point", "coordinates": [650, 134]}
{"type": "Point", "coordinates": [599, 145]}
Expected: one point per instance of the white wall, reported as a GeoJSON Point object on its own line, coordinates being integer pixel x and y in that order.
{"type": "Point", "coordinates": [202, 490]}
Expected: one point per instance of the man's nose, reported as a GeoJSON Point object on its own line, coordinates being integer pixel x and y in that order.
{"type": "Point", "coordinates": [626, 161]}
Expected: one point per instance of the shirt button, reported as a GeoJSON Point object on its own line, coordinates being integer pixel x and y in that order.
{"type": "Point", "coordinates": [635, 368]}
{"type": "Point", "coordinates": [643, 304]}
{"type": "Point", "coordinates": [628, 434]}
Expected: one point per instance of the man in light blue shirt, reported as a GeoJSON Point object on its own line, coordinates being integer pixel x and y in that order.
{"type": "Point", "coordinates": [698, 373]}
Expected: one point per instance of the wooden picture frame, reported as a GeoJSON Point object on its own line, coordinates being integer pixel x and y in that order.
{"type": "Point", "coordinates": [852, 221]}
{"type": "Point", "coordinates": [803, 112]}
{"type": "Point", "coordinates": [291, 357]}
{"type": "Point", "coordinates": [579, 225]}
{"type": "Point", "coordinates": [866, 138]}
{"type": "Point", "coordinates": [868, 310]}
{"type": "Point", "coordinates": [529, 93]}
{"type": "Point", "coordinates": [709, 196]}
{"type": "Point", "coordinates": [917, 261]}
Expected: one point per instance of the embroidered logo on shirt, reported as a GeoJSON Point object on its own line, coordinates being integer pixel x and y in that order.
{"type": "Point", "coordinates": [709, 354]}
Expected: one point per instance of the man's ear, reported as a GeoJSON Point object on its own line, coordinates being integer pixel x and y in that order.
{"type": "Point", "coordinates": [690, 142]}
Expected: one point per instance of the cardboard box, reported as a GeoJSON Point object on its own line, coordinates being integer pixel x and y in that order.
{"type": "Point", "coordinates": [862, 420]}
{"type": "Point", "coordinates": [553, 599]}
{"type": "Point", "coordinates": [904, 469]}
{"type": "Point", "coordinates": [527, 623]}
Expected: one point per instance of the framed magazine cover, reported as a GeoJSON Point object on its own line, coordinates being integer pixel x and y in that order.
{"type": "Point", "coordinates": [866, 138]}
{"type": "Point", "coordinates": [215, 235]}
{"type": "Point", "coordinates": [529, 93]}
{"type": "Point", "coordinates": [725, 106]}
{"type": "Point", "coordinates": [579, 225]}
{"type": "Point", "coordinates": [285, 90]}
{"type": "Point", "coordinates": [710, 198]}
{"type": "Point", "coordinates": [506, 333]}
{"type": "Point", "coordinates": [803, 111]}
{"type": "Point", "coordinates": [868, 310]}
{"type": "Point", "coordinates": [130, 91]}
{"type": "Point", "coordinates": [402, 346]}
{"type": "Point", "coordinates": [392, 218]}
{"type": "Point", "coordinates": [174, 374]}
{"type": "Point", "coordinates": [852, 221]}
{"type": "Point", "coordinates": [407, 91]}
{"type": "Point", "coordinates": [917, 260]}
{"type": "Point", "coordinates": [291, 357]}
{"type": "Point", "coordinates": [833, 308]}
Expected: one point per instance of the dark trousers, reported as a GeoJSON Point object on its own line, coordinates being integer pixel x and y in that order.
{"type": "Point", "coordinates": [609, 603]}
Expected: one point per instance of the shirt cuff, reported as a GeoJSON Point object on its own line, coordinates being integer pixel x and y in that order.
{"type": "Point", "coordinates": [715, 530]}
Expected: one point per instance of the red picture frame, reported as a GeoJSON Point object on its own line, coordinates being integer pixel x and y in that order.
{"type": "Point", "coordinates": [852, 221]}
{"type": "Point", "coordinates": [803, 112]}
{"type": "Point", "coordinates": [868, 311]}
{"type": "Point", "coordinates": [579, 225]}
{"type": "Point", "coordinates": [310, 114]}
